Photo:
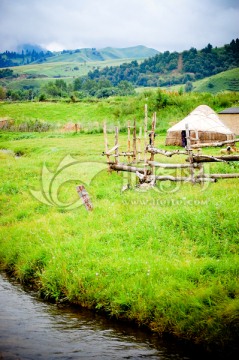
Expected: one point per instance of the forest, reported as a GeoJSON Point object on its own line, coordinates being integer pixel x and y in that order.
{"type": "Point", "coordinates": [173, 68]}
{"type": "Point", "coordinates": [13, 58]}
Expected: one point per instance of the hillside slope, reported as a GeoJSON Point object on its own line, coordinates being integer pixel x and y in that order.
{"type": "Point", "coordinates": [10, 59]}
{"type": "Point", "coordinates": [166, 69]}
{"type": "Point", "coordinates": [224, 81]}
{"type": "Point", "coordinates": [109, 53]}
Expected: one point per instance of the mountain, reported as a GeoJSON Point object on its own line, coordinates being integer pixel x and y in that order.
{"type": "Point", "coordinates": [134, 52]}
{"type": "Point", "coordinates": [108, 53]}
{"type": "Point", "coordinates": [34, 54]}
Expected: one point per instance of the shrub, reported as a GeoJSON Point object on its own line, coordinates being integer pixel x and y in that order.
{"type": "Point", "coordinates": [42, 97]}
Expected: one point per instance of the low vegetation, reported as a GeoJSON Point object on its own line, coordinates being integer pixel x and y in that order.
{"type": "Point", "coordinates": [89, 113]}
{"type": "Point", "coordinates": [166, 258]}
{"type": "Point", "coordinates": [225, 81]}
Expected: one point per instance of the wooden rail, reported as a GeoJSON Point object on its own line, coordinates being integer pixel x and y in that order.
{"type": "Point", "coordinates": [146, 173]}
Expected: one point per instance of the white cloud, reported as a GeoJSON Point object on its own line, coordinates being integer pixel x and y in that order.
{"type": "Point", "coordinates": [161, 24]}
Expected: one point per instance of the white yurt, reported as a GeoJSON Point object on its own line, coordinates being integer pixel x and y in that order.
{"type": "Point", "coordinates": [204, 126]}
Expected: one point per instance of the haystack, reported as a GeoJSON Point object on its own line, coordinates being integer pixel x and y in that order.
{"type": "Point", "coordinates": [204, 126]}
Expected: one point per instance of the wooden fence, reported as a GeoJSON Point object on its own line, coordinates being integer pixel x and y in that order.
{"type": "Point", "coordinates": [143, 163]}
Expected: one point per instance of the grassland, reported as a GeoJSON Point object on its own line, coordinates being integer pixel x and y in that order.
{"type": "Point", "coordinates": [90, 113]}
{"type": "Point", "coordinates": [224, 81]}
{"type": "Point", "coordinates": [66, 69]}
{"type": "Point", "coordinates": [166, 258]}
{"type": "Point", "coordinates": [108, 53]}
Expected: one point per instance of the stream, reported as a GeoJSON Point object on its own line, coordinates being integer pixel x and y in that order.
{"type": "Point", "coordinates": [33, 329]}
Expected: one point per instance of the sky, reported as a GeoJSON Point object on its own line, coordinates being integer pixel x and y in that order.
{"type": "Point", "coordinates": [173, 25]}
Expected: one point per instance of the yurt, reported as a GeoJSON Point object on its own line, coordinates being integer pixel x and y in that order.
{"type": "Point", "coordinates": [204, 127]}
{"type": "Point", "coordinates": [230, 117]}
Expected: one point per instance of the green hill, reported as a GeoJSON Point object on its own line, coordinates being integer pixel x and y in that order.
{"type": "Point", "coordinates": [167, 69]}
{"type": "Point", "coordinates": [109, 53]}
{"type": "Point", "coordinates": [10, 59]}
{"type": "Point", "coordinates": [224, 81]}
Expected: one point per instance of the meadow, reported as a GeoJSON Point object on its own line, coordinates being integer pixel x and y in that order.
{"type": "Point", "coordinates": [90, 113]}
{"type": "Point", "coordinates": [166, 258]}
{"type": "Point", "coordinates": [226, 80]}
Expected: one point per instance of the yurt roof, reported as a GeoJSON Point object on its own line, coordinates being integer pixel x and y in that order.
{"type": "Point", "coordinates": [203, 118]}
{"type": "Point", "coordinates": [231, 110]}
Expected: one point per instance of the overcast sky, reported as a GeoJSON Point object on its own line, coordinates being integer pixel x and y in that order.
{"type": "Point", "coordinates": [173, 25]}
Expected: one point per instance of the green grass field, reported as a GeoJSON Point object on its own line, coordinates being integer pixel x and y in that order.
{"type": "Point", "coordinates": [91, 113]}
{"type": "Point", "coordinates": [224, 81]}
{"type": "Point", "coordinates": [166, 258]}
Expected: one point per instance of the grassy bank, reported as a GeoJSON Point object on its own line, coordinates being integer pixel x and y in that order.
{"type": "Point", "coordinates": [166, 258]}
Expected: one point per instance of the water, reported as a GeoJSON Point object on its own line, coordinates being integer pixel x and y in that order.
{"type": "Point", "coordinates": [33, 329]}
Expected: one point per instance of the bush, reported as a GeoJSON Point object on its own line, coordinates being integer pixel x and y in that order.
{"type": "Point", "coordinates": [42, 97]}
{"type": "Point", "coordinates": [34, 126]}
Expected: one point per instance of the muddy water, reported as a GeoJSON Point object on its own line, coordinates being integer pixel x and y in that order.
{"type": "Point", "coordinates": [32, 329]}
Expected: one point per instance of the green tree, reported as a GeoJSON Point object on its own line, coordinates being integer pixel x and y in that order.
{"type": "Point", "coordinates": [77, 84]}
{"type": "Point", "coordinates": [125, 88]}
{"type": "Point", "coordinates": [188, 86]}
{"type": "Point", "coordinates": [2, 93]}
{"type": "Point", "coordinates": [42, 97]}
{"type": "Point", "coordinates": [61, 84]}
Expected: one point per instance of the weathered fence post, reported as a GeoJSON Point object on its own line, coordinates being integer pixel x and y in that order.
{"type": "Point", "coordinates": [139, 144]}
{"type": "Point", "coordinates": [128, 148]}
{"type": "Point", "coordinates": [145, 137]}
{"type": "Point", "coordinates": [134, 142]}
{"type": "Point", "coordinates": [85, 197]}
{"type": "Point", "coordinates": [106, 142]}
{"type": "Point", "coordinates": [190, 156]}
{"type": "Point", "coordinates": [152, 137]}
{"type": "Point", "coordinates": [116, 144]}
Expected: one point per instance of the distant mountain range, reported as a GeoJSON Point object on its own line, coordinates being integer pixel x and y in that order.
{"type": "Point", "coordinates": [33, 54]}
{"type": "Point", "coordinates": [93, 54]}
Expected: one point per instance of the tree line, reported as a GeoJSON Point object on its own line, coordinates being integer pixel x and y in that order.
{"type": "Point", "coordinates": [12, 58]}
{"type": "Point", "coordinates": [173, 68]}
{"type": "Point", "coordinates": [80, 88]}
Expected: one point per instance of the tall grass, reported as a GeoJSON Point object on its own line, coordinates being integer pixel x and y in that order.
{"type": "Point", "coordinates": [90, 113]}
{"type": "Point", "coordinates": [166, 258]}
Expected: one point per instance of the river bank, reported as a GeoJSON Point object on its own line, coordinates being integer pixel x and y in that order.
{"type": "Point", "coordinates": [32, 328]}
{"type": "Point", "coordinates": [166, 259]}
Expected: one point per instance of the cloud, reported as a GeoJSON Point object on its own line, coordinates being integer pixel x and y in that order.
{"type": "Point", "coordinates": [161, 24]}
